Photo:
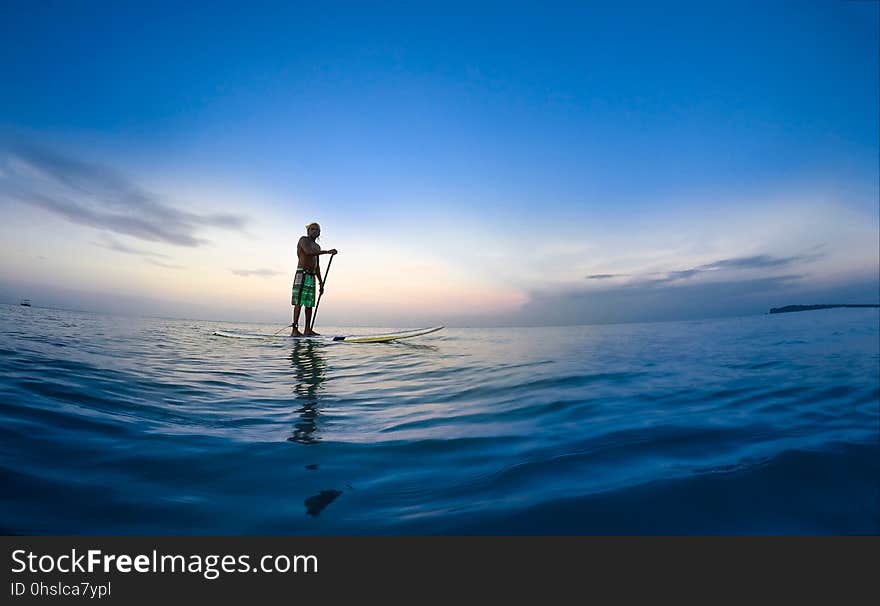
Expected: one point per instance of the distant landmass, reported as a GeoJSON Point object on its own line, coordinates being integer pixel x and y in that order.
{"type": "Point", "coordinates": [790, 308]}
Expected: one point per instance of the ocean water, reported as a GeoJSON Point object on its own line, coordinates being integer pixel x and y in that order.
{"type": "Point", "coordinates": [751, 425]}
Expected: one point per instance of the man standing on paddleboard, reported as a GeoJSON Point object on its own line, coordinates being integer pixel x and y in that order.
{"type": "Point", "coordinates": [308, 269]}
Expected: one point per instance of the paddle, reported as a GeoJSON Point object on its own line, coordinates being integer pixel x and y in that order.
{"type": "Point", "coordinates": [321, 294]}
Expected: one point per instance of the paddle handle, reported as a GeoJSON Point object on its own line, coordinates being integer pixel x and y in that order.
{"type": "Point", "coordinates": [321, 294]}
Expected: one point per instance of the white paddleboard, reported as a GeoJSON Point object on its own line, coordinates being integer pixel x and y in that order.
{"type": "Point", "coordinates": [381, 338]}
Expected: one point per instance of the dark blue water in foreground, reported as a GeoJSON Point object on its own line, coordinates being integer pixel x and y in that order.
{"type": "Point", "coordinates": [757, 425]}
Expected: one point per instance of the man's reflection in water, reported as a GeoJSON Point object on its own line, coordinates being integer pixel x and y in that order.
{"type": "Point", "coordinates": [308, 367]}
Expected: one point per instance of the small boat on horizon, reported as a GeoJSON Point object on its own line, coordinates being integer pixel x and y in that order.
{"type": "Point", "coordinates": [25, 303]}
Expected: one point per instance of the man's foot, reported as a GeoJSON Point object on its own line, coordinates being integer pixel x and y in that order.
{"type": "Point", "coordinates": [312, 333]}
{"type": "Point", "coordinates": [295, 333]}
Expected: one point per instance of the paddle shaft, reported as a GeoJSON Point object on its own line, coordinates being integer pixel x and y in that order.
{"type": "Point", "coordinates": [321, 293]}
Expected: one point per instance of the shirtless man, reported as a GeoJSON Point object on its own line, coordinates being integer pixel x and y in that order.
{"type": "Point", "coordinates": [308, 268]}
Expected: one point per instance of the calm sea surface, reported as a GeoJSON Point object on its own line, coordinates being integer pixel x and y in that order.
{"type": "Point", "coordinates": [754, 425]}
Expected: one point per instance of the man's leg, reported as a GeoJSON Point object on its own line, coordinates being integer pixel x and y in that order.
{"type": "Point", "coordinates": [309, 303]}
{"type": "Point", "coordinates": [310, 329]}
{"type": "Point", "coordinates": [295, 331]}
{"type": "Point", "coordinates": [309, 332]}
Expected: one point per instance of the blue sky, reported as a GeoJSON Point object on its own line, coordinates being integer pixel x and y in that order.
{"type": "Point", "coordinates": [474, 163]}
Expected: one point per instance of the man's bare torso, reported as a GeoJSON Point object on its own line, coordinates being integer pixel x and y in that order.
{"type": "Point", "coordinates": [307, 253]}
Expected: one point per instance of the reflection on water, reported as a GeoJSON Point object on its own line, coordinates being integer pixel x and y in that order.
{"type": "Point", "coordinates": [316, 504]}
{"type": "Point", "coordinates": [309, 371]}
{"type": "Point", "coordinates": [308, 368]}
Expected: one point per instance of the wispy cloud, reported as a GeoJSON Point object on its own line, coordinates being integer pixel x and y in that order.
{"type": "Point", "coordinates": [653, 301]}
{"type": "Point", "coordinates": [96, 196]}
{"type": "Point", "coordinates": [153, 258]}
{"type": "Point", "coordinates": [721, 266]}
{"type": "Point", "coordinates": [163, 265]}
{"type": "Point", "coordinates": [115, 245]}
{"type": "Point", "coordinates": [755, 262]}
{"type": "Point", "coordinates": [263, 273]}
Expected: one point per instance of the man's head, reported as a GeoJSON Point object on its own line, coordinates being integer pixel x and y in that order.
{"type": "Point", "coordinates": [313, 230]}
